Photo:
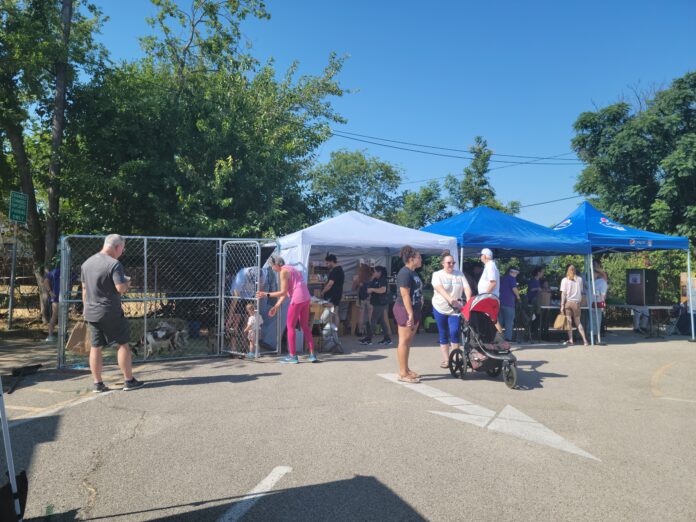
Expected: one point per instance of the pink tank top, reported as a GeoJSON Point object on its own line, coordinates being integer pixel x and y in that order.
{"type": "Point", "coordinates": [297, 289]}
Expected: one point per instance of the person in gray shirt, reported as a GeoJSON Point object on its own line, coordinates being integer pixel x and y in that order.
{"type": "Point", "coordinates": [103, 283]}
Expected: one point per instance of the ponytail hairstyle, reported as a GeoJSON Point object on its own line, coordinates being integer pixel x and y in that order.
{"type": "Point", "coordinates": [407, 253]}
{"type": "Point", "coordinates": [277, 260]}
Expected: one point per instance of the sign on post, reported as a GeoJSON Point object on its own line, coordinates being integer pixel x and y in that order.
{"type": "Point", "coordinates": [19, 203]}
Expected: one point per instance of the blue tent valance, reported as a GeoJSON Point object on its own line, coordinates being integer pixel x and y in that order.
{"type": "Point", "coordinates": [606, 235]}
{"type": "Point", "coordinates": [508, 235]}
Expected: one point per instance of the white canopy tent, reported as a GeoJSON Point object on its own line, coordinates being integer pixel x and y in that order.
{"type": "Point", "coordinates": [353, 236]}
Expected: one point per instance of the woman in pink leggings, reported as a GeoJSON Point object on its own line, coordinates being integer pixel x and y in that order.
{"type": "Point", "coordinates": [292, 285]}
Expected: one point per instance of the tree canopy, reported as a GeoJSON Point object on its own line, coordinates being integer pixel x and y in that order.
{"type": "Point", "coordinates": [641, 165]}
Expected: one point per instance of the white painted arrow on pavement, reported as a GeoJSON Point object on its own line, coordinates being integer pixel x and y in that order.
{"type": "Point", "coordinates": [510, 420]}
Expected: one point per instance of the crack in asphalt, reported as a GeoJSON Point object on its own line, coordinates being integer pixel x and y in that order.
{"type": "Point", "coordinates": [98, 461]}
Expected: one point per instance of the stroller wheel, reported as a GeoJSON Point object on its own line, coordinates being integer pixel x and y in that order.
{"type": "Point", "coordinates": [494, 372]}
{"type": "Point", "coordinates": [457, 363]}
{"type": "Point", "coordinates": [510, 375]}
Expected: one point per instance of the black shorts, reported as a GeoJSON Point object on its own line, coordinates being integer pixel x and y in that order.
{"type": "Point", "coordinates": [334, 300]}
{"type": "Point", "coordinates": [112, 329]}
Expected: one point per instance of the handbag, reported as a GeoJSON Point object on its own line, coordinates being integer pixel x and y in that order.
{"type": "Point", "coordinates": [79, 342]}
{"type": "Point", "coordinates": [599, 304]}
{"type": "Point", "coordinates": [561, 322]}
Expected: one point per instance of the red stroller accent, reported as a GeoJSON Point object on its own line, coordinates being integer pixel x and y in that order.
{"type": "Point", "coordinates": [484, 350]}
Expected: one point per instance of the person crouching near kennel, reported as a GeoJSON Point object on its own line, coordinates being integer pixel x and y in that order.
{"type": "Point", "coordinates": [253, 327]}
{"type": "Point", "coordinates": [292, 285]}
{"type": "Point", "coordinates": [103, 284]}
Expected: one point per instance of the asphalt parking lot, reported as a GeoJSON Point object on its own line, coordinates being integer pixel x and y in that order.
{"type": "Point", "coordinates": [601, 433]}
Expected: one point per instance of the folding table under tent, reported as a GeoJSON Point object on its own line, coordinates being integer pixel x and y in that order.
{"type": "Point", "coordinates": [605, 235]}
{"type": "Point", "coordinates": [353, 236]}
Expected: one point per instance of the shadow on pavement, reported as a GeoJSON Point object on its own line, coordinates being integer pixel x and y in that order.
{"type": "Point", "coordinates": [24, 439]}
{"type": "Point", "coordinates": [359, 498]}
{"type": "Point", "coordinates": [191, 381]}
{"type": "Point", "coordinates": [529, 377]}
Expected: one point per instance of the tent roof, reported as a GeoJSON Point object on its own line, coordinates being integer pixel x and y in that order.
{"type": "Point", "coordinates": [606, 235]}
{"type": "Point", "coordinates": [355, 230]}
{"type": "Point", "coordinates": [485, 227]}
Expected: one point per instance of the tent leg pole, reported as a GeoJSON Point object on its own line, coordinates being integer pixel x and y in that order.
{"type": "Point", "coordinates": [691, 297]}
{"type": "Point", "coordinates": [590, 300]}
{"type": "Point", "coordinates": [597, 311]}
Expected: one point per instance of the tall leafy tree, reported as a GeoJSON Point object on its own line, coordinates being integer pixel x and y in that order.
{"type": "Point", "coordinates": [474, 188]}
{"type": "Point", "coordinates": [641, 165]}
{"type": "Point", "coordinates": [43, 46]}
{"type": "Point", "coordinates": [223, 152]}
{"type": "Point", "coordinates": [422, 207]}
{"type": "Point", "coordinates": [352, 180]}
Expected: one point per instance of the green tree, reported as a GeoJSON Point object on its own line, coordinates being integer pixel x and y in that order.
{"type": "Point", "coordinates": [44, 44]}
{"type": "Point", "coordinates": [352, 180]}
{"type": "Point", "coordinates": [474, 189]}
{"type": "Point", "coordinates": [226, 153]}
{"type": "Point", "coordinates": [641, 166]}
{"type": "Point", "coordinates": [422, 207]}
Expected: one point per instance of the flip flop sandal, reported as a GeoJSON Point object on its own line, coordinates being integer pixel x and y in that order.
{"type": "Point", "coordinates": [444, 365]}
{"type": "Point", "coordinates": [414, 375]}
{"type": "Point", "coordinates": [409, 379]}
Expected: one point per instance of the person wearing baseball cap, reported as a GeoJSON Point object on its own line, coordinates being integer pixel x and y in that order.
{"type": "Point", "coordinates": [490, 278]}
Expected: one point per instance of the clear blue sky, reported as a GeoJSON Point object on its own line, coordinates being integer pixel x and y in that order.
{"type": "Point", "coordinates": [439, 73]}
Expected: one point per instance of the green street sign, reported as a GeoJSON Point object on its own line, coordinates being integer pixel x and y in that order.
{"type": "Point", "coordinates": [18, 207]}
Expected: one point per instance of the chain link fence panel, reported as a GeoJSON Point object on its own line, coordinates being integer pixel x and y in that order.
{"type": "Point", "coordinates": [179, 304]}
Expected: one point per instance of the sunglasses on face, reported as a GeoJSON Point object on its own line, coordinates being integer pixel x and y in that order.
{"type": "Point", "coordinates": [450, 263]}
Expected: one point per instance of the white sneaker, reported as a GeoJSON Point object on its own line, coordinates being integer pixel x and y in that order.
{"type": "Point", "coordinates": [51, 339]}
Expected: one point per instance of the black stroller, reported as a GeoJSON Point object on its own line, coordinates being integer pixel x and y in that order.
{"type": "Point", "coordinates": [484, 350]}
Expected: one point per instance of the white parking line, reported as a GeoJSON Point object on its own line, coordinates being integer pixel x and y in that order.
{"type": "Point", "coordinates": [53, 410]}
{"type": "Point", "coordinates": [240, 508]}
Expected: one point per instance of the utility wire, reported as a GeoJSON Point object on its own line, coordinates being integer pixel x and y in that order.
{"type": "Point", "coordinates": [421, 145]}
{"type": "Point", "coordinates": [510, 163]}
{"type": "Point", "coordinates": [551, 201]}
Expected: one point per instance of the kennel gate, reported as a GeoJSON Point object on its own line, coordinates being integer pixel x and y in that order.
{"type": "Point", "coordinates": [183, 282]}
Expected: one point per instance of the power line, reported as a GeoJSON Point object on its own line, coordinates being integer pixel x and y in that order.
{"type": "Point", "coordinates": [551, 201]}
{"type": "Point", "coordinates": [450, 149]}
{"type": "Point", "coordinates": [510, 163]}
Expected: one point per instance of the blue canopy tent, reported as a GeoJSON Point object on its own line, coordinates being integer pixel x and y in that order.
{"type": "Point", "coordinates": [605, 235]}
{"type": "Point", "coordinates": [506, 235]}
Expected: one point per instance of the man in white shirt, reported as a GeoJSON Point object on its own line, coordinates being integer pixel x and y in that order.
{"type": "Point", "coordinates": [490, 278]}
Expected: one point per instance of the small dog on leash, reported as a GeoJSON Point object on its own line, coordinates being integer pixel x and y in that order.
{"type": "Point", "coordinates": [165, 336]}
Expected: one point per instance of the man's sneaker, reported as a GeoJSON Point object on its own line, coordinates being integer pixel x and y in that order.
{"type": "Point", "coordinates": [51, 339]}
{"type": "Point", "coordinates": [100, 387]}
{"type": "Point", "coordinates": [290, 359]}
{"type": "Point", "coordinates": [133, 384]}
{"type": "Point", "coordinates": [365, 341]}
{"type": "Point", "coordinates": [312, 358]}
{"type": "Point", "coordinates": [385, 341]}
